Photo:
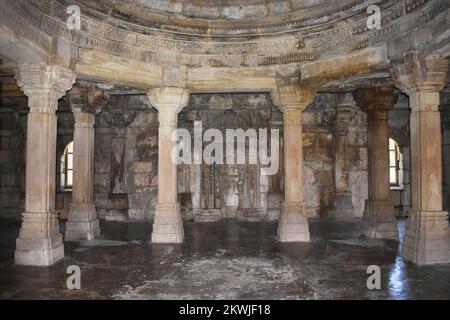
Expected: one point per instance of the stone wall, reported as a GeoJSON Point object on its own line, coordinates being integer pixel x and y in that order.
{"type": "Point", "coordinates": [445, 123]}
{"type": "Point", "coordinates": [126, 156]}
{"type": "Point", "coordinates": [318, 158]}
{"type": "Point", "coordinates": [12, 158]}
{"type": "Point", "coordinates": [358, 157]}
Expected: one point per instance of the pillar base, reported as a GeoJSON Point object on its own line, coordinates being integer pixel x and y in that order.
{"type": "Point", "coordinates": [427, 237]}
{"type": "Point", "coordinates": [168, 224]}
{"type": "Point", "coordinates": [379, 221]}
{"type": "Point", "coordinates": [82, 223]}
{"type": "Point", "coordinates": [343, 206]}
{"type": "Point", "coordinates": [293, 225]}
{"type": "Point", "coordinates": [39, 242]}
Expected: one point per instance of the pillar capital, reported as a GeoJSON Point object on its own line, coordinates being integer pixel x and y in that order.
{"type": "Point", "coordinates": [44, 85]}
{"type": "Point", "coordinates": [87, 99]}
{"type": "Point", "coordinates": [421, 79]}
{"type": "Point", "coordinates": [170, 99]}
{"type": "Point", "coordinates": [288, 97]}
{"type": "Point", "coordinates": [377, 101]}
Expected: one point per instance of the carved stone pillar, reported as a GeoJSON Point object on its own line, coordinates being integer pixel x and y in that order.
{"type": "Point", "coordinates": [168, 224]}
{"type": "Point", "coordinates": [379, 221]}
{"type": "Point", "coordinates": [83, 223]}
{"type": "Point", "coordinates": [343, 204]}
{"type": "Point", "coordinates": [293, 225]}
{"type": "Point", "coordinates": [427, 231]}
{"type": "Point", "coordinates": [39, 241]}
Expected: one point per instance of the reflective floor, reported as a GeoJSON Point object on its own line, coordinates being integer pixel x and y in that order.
{"type": "Point", "coordinates": [223, 260]}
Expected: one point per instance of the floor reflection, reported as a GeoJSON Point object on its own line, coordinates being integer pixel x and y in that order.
{"type": "Point", "coordinates": [398, 280]}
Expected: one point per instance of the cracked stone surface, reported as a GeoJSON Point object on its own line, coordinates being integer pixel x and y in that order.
{"type": "Point", "coordinates": [223, 260]}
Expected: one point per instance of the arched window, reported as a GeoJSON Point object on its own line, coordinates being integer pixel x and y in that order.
{"type": "Point", "coordinates": [67, 167]}
{"type": "Point", "coordinates": [395, 165]}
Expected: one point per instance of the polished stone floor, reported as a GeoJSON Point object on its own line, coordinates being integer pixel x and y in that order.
{"type": "Point", "coordinates": [223, 260]}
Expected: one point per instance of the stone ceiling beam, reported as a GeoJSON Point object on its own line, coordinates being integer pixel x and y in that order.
{"type": "Point", "coordinates": [106, 68]}
{"type": "Point", "coordinates": [354, 64]}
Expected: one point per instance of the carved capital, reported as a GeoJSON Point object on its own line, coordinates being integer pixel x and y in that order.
{"type": "Point", "coordinates": [293, 97]}
{"type": "Point", "coordinates": [89, 98]}
{"type": "Point", "coordinates": [44, 85]}
{"type": "Point", "coordinates": [376, 101]}
{"type": "Point", "coordinates": [172, 98]}
{"type": "Point", "coordinates": [414, 74]}
{"type": "Point", "coordinates": [169, 101]}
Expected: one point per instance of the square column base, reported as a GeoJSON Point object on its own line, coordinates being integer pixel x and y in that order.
{"type": "Point", "coordinates": [82, 223]}
{"type": "Point", "coordinates": [293, 225]}
{"type": "Point", "coordinates": [343, 206]}
{"type": "Point", "coordinates": [168, 224]}
{"type": "Point", "coordinates": [379, 221]}
{"type": "Point", "coordinates": [427, 237]}
{"type": "Point", "coordinates": [39, 242]}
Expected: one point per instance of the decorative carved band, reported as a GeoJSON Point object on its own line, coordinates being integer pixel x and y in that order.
{"type": "Point", "coordinates": [154, 46]}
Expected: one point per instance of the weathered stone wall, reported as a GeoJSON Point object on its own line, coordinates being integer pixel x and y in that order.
{"type": "Point", "coordinates": [223, 190]}
{"type": "Point", "coordinates": [318, 158]}
{"type": "Point", "coordinates": [257, 111]}
{"type": "Point", "coordinates": [12, 164]}
{"type": "Point", "coordinates": [357, 157]}
{"type": "Point", "coordinates": [445, 122]}
{"type": "Point", "coordinates": [126, 154]}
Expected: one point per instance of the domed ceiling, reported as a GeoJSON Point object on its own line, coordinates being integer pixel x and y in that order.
{"type": "Point", "coordinates": [226, 17]}
{"type": "Point", "coordinates": [322, 40]}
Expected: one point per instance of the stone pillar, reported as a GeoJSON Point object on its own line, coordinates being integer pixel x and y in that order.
{"type": "Point", "coordinates": [427, 230]}
{"type": "Point", "coordinates": [168, 224]}
{"type": "Point", "coordinates": [379, 221]}
{"type": "Point", "coordinates": [293, 225]}
{"type": "Point", "coordinates": [343, 204]}
{"type": "Point", "coordinates": [83, 223]}
{"type": "Point", "coordinates": [39, 241]}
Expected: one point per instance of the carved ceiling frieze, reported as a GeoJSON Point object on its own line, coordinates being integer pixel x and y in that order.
{"type": "Point", "coordinates": [262, 48]}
